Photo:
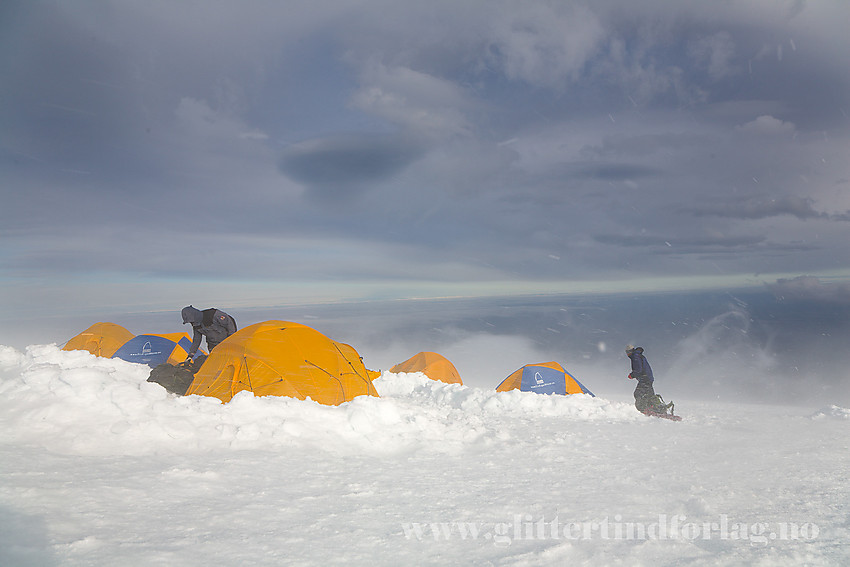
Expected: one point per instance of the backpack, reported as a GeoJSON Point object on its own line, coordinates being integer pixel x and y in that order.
{"type": "Point", "coordinates": [176, 378]}
{"type": "Point", "coordinates": [208, 314]}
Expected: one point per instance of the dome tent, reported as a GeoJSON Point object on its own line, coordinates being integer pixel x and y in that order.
{"type": "Point", "coordinates": [101, 339]}
{"type": "Point", "coordinates": [154, 349]}
{"type": "Point", "coordinates": [434, 366]}
{"type": "Point", "coordinates": [543, 378]}
{"type": "Point", "coordinates": [280, 358]}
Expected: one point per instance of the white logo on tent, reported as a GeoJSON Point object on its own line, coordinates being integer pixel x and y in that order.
{"type": "Point", "coordinates": [147, 350]}
{"type": "Point", "coordinates": [540, 382]}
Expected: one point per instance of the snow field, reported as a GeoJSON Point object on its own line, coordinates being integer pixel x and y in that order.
{"type": "Point", "coordinates": [103, 468]}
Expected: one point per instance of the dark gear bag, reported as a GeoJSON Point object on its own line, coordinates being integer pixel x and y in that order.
{"type": "Point", "coordinates": [176, 378]}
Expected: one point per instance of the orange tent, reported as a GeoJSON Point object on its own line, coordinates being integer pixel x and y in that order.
{"type": "Point", "coordinates": [155, 349]}
{"type": "Point", "coordinates": [280, 358]}
{"type": "Point", "coordinates": [543, 378]}
{"type": "Point", "coordinates": [434, 366]}
{"type": "Point", "coordinates": [101, 339]}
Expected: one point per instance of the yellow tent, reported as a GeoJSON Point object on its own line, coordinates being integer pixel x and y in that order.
{"type": "Point", "coordinates": [101, 339]}
{"type": "Point", "coordinates": [434, 366]}
{"type": "Point", "coordinates": [373, 374]}
{"type": "Point", "coordinates": [543, 378]}
{"type": "Point", "coordinates": [279, 358]}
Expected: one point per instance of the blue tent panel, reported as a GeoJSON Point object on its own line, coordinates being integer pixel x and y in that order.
{"type": "Point", "coordinates": [147, 349]}
{"type": "Point", "coordinates": [187, 346]}
{"type": "Point", "coordinates": [543, 380]}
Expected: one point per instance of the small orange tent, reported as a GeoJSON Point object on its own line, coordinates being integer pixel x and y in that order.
{"type": "Point", "coordinates": [280, 358]}
{"type": "Point", "coordinates": [543, 378]}
{"type": "Point", "coordinates": [434, 366]}
{"type": "Point", "coordinates": [101, 339]}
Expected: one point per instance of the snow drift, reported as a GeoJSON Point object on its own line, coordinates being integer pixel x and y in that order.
{"type": "Point", "coordinates": [101, 467]}
{"type": "Point", "coordinates": [77, 403]}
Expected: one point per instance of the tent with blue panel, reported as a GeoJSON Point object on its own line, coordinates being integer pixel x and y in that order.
{"type": "Point", "coordinates": [155, 349]}
{"type": "Point", "coordinates": [543, 378]}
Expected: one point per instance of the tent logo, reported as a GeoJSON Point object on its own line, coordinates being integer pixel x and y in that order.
{"type": "Point", "coordinates": [539, 382]}
{"type": "Point", "coordinates": [147, 350]}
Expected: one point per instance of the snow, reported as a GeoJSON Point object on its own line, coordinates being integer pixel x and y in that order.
{"type": "Point", "coordinates": [100, 467]}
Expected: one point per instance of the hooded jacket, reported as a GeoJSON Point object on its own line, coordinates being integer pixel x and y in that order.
{"type": "Point", "coordinates": [640, 367]}
{"type": "Point", "coordinates": [214, 324]}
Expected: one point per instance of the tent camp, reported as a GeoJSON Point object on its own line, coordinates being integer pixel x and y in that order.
{"type": "Point", "coordinates": [153, 350]}
{"type": "Point", "coordinates": [101, 339]}
{"type": "Point", "coordinates": [434, 366]}
{"type": "Point", "coordinates": [543, 378]}
{"type": "Point", "coordinates": [279, 358]}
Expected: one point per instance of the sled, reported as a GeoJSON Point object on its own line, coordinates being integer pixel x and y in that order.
{"type": "Point", "coordinates": [655, 406]}
{"type": "Point", "coordinates": [669, 416]}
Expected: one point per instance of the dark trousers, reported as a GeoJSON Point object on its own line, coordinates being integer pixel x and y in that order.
{"type": "Point", "coordinates": [644, 392]}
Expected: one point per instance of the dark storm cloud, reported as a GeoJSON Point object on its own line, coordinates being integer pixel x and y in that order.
{"type": "Point", "coordinates": [763, 207]}
{"type": "Point", "coordinates": [338, 166]}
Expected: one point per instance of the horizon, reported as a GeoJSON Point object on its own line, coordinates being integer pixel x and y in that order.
{"type": "Point", "coordinates": [751, 344]}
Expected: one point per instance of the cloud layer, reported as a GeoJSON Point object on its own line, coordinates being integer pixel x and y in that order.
{"type": "Point", "coordinates": [419, 143]}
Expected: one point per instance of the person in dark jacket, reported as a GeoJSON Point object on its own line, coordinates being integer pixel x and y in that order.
{"type": "Point", "coordinates": [642, 372]}
{"type": "Point", "coordinates": [214, 324]}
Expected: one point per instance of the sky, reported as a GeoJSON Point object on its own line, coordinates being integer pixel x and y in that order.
{"type": "Point", "coordinates": [155, 154]}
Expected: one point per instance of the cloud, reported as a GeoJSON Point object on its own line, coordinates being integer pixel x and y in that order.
{"type": "Point", "coordinates": [342, 166]}
{"type": "Point", "coordinates": [767, 126]}
{"type": "Point", "coordinates": [616, 171]}
{"type": "Point", "coordinates": [254, 134]}
{"type": "Point", "coordinates": [647, 143]}
{"type": "Point", "coordinates": [201, 125]}
{"type": "Point", "coordinates": [385, 124]}
{"type": "Point", "coordinates": [639, 65]}
{"type": "Point", "coordinates": [545, 44]}
{"type": "Point", "coordinates": [742, 109]}
{"type": "Point", "coordinates": [716, 54]}
{"type": "Point", "coordinates": [809, 288]}
{"type": "Point", "coordinates": [761, 207]}
{"type": "Point", "coordinates": [418, 102]}
{"type": "Point", "coordinates": [677, 244]}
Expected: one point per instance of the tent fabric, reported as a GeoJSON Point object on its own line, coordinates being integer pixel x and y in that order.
{"type": "Point", "coordinates": [281, 358]}
{"type": "Point", "coordinates": [434, 366]}
{"type": "Point", "coordinates": [543, 378]}
{"type": "Point", "coordinates": [155, 349]}
{"type": "Point", "coordinates": [101, 339]}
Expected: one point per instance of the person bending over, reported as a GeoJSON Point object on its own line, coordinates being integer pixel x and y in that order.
{"type": "Point", "coordinates": [214, 324]}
